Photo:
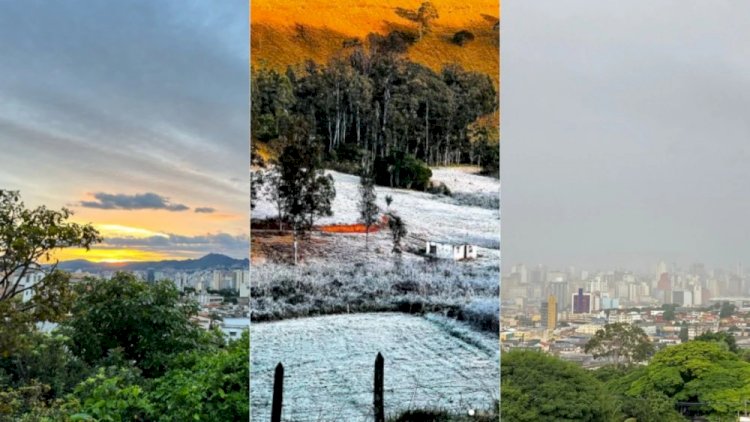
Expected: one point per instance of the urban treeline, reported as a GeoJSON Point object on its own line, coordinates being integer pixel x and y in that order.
{"type": "Point", "coordinates": [701, 379]}
{"type": "Point", "coordinates": [370, 100]}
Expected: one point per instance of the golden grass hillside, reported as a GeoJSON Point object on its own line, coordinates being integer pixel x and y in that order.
{"type": "Point", "coordinates": [288, 32]}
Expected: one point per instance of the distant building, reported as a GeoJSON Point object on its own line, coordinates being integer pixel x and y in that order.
{"type": "Point", "coordinates": [233, 327]}
{"type": "Point", "coordinates": [150, 275]}
{"type": "Point", "coordinates": [581, 302]}
{"type": "Point", "coordinates": [610, 302]}
{"type": "Point", "coordinates": [549, 313]}
{"type": "Point", "coordinates": [448, 250]}
{"type": "Point", "coordinates": [559, 289]}
{"type": "Point", "coordinates": [27, 282]}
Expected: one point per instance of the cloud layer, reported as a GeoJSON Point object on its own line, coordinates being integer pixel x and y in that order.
{"type": "Point", "coordinates": [236, 246]}
{"type": "Point", "coordinates": [127, 96]}
{"type": "Point", "coordinates": [139, 201]}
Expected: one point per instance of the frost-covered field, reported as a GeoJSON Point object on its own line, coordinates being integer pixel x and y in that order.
{"type": "Point", "coordinates": [465, 179]}
{"type": "Point", "coordinates": [329, 361]}
{"type": "Point", "coordinates": [464, 291]}
{"type": "Point", "coordinates": [427, 216]}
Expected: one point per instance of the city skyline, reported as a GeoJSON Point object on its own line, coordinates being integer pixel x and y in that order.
{"type": "Point", "coordinates": [134, 117]}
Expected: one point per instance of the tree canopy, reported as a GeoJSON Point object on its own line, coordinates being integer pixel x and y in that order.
{"type": "Point", "coordinates": [28, 239]}
{"type": "Point", "coordinates": [622, 343]}
{"type": "Point", "coordinates": [539, 387]}
{"type": "Point", "coordinates": [697, 372]}
{"type": "Point", "coordinates": [146, 322]}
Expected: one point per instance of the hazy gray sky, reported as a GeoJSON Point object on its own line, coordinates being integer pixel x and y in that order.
{"type": "Point", "coordinates": [134, 114]}
{"type": "Point", "coordinates": [625, 132]}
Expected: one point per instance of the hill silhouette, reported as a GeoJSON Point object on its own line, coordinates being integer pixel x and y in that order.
{"type": "Point", "coordinates": [210, 261]}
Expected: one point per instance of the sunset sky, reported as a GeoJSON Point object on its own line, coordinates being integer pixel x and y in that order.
{"type": "Point", "coordinates": [134, 115]}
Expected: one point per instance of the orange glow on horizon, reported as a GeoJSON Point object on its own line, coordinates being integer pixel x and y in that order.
{"type": "Point", "coordinates": [111, 255]}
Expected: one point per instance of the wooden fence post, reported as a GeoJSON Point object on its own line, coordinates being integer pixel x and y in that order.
{"type": "Point", "coordinates": [378, 391]}
{"type": "Point", "coordinates": [278, 391]}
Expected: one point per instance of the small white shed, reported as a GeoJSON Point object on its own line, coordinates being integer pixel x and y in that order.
{"type": "Point", "coordinates": [450, 250]}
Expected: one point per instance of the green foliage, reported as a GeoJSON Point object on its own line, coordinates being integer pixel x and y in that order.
{"type": "Point", "coordinates": [402, 170]}
{"type": "Point", "coordinates": [305, 192]}
{"type": "Point", "coordinates": [653, 406]}
{"type": "Point", "coordinates": [727, 310]}
{"type": "Point", "coordinates": [28, 404]}
{"type": "Point", "coordinates": [684, 334]}
{"type": "Point", "coordinates": [107, 356]}
{"type": "Point", "coordinates": [27, 238]}
{"type": "Point", "coordinates": [206, 387]}
{"type": "Point", "coordinates": [113, 395]}
{"type": "Point", "coordinates": [377, 102]}
{"type": "Point", "coordinates": [146, 322]}
{"type": "Point", "coordinates": [45, 360]}
{"type": "Point", "coordinates": [621, 343]}
{"type": "Point", "coordinates": [271, 98]}
{"type": "Point", "coordinates": [669, 312]}
{"type": "Point", "coordinates": [697, 371]}
{"type": "Point", "coordinates": [488, 152]}
{"type": "Point", "coordinates": [538, 387]}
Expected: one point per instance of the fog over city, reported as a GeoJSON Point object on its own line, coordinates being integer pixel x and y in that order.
{"type": "Point", "coordinates": [625, 133]}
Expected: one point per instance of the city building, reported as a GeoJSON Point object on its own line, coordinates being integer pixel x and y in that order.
{"type": "Point", "coordinates": [549, 313]}
{"type": "Point", "coordinates": [581, 302]}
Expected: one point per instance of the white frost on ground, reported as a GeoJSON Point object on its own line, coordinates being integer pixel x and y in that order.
{"type": "Point", "coordinates": [329, 364]}
{"type": "Point", "coordinates": [465, 179]}
{"type": "Point", "coordinates": [427, 216]}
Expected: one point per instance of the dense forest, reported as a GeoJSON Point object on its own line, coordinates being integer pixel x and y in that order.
{"type": "Point", "coordinates": [371, 100]}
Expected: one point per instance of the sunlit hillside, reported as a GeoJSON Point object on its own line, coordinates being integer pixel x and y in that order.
{"type": "Point", "coordinates": [287, 32]}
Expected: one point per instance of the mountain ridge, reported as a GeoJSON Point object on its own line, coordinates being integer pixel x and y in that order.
{"type": "Point", "coordinates": [211, 260]}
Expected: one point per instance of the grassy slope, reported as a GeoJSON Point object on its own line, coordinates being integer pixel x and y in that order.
{"type": "Point", "coordinates": [277, 44]}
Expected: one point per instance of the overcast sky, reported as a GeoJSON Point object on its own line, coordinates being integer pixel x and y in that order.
{"type": "Point", "coordinates": [625, 133]}
{"type": "Point", "coordinates": [132, 113]}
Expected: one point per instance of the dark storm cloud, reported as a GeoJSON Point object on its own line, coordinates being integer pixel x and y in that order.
{"type": "Point", "coordinates": [205, 210]}
{"type": "Point", "coordinates": [625, 133]}
{"type": "Point", "coordinates": [135, 93]}
{"type": "Point", "coordinates": [139, 201]}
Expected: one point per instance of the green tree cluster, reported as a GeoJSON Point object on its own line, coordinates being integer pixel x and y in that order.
{"type": "Point", "coordinates": [128, 352]}
{"type": "Point", "coordinates": [621, 343]}
{"type": "Point", "coordinates": [539, 387]}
